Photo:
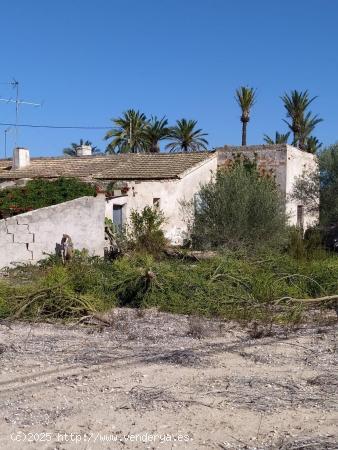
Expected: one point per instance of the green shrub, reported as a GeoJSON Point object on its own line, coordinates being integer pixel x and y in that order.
{"type": "Point", "coordinates": [308, 246]}
{"type": "Point", "coordinates": [296, 245]}
{"type": "Point", "coordinates": [239, 208]}
{"type": "Point", "coordinates": [118, 239]}
{"type": "Point", "coordinates": [146, 232]}
{"type": "Point", "coordinates": [41, 193]}
{"type": "Point", "coordinates": [5, 293]}
{"type": "Point", "coordinates": [313, 238]}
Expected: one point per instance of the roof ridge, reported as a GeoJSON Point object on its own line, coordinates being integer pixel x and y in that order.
{"type": "Point", "coordinates": [116, 166]}
{"type": "Point", "coordinates": [115, 155]}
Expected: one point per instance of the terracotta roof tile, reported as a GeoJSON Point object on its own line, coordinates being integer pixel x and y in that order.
{"type": "Point", "coordinates": [108, 167]}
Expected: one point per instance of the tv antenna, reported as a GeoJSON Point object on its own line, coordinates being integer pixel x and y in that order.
{"type": "Point", "coordinates": [18, 103]}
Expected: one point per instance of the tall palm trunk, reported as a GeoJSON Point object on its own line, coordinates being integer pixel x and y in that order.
{"type": "Point", "coordinates": [244, 125]}
{"type": "Point", "coordinates": [154, 148]}
{"type": "Point", "coordinates": [245, 97]}
{"type": "Point", "coordinates": [294, 139]}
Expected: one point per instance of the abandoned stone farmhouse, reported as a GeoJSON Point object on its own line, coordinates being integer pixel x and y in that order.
{"type": "Point", "coordinates": [161, 180]}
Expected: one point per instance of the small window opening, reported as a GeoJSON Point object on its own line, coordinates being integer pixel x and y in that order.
{"type": "Point", "coordinates": [156, 203]}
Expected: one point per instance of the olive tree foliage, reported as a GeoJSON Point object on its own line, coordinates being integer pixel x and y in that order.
{"type": "Point", "coordinates": [239, 208]}
{"type": "Point", "coordinates": [320, 186]}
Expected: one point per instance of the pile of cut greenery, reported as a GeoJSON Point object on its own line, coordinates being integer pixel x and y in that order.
{"type": "Point", "coordinates": [229, 286]}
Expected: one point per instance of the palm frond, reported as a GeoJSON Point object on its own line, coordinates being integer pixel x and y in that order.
{"type": "Point", "coordinates": [246, 98]}
{"type": "Point", "coordinates": [71, 151]}
{"type": "Point", "coordinates": [184, 136]}
{"type": "Point", "coordinates": [128, 134]}
{"type": "Point", "coordinates": [313, 145]}
{"type": "Point", "coordinates": [280, 138]}
{"type": "Point", "coordinates": [302, 122]}
{"type": "Point", "coordinates": [156, 130]}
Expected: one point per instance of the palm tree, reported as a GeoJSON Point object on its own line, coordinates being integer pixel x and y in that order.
{"type": "Point", "coordinates": [245, 97]}
{"type": "Point", "coordinates": [156, 131]}
{"type": "Point", "coordinates": [129, 133]}
{"type": "Point", "coordinates": [313, 144]}
{"type": "Point", "coordinates": [71, 151]}
{"type": "Point", "coordinates": [296, 105]}
{"type": "Point", "coordinates": [307, 125]}
{"type": "Point", "coordinates": [185, 137]}
{"type": "Point", "coordinates": [280, 138]}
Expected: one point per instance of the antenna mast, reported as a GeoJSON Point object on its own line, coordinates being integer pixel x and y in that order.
{"type": "Point", "coordinates": [15, 85]}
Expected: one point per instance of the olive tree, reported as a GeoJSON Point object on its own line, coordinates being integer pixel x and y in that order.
{"type": "Point", "coordinates": [238, 208]}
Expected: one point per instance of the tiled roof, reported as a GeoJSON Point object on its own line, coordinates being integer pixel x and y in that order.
{"type": "Point", "coordinates": [108, 167]}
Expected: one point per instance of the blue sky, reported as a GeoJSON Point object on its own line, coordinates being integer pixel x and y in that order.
{"type": "Point", "coordinates": [89, 61]}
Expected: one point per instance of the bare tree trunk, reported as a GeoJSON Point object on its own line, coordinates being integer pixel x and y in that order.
{"type": "Point", "coordinates": [244, 124]}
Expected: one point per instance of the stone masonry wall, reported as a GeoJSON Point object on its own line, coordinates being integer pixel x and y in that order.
{"type": "Point", "coordinates": [30, 237]}
{"type": "Point", "coordinates": [271, 159]}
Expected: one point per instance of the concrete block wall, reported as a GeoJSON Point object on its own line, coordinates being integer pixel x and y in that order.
{"type": "Point", "coordinates": [30, 237]}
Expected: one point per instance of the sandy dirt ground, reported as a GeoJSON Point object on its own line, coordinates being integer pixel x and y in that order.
{"type": "Point", "coordinates": [155, 380]}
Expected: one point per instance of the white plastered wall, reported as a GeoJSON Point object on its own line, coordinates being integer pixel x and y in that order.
{"type": "Point", "coordinates": [298, 162]}
{"type": "Point", "coordinates": [170, 193]}
{"type": "Point", "coordinates": [32, 236]}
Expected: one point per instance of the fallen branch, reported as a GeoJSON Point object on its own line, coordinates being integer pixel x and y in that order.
{"type": "Point", "coordinates": [51, 301]}
{"type": "Point", "coordinates": [327, 298]}
{"type": "Point", "coordinates": [192, 255]}
{"type": "Point", "coordinates": [98, 317]}
{"type": "Point", "coordinates": [94, 316]}
{"type": "Point", "coordinates": [300, 276]}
